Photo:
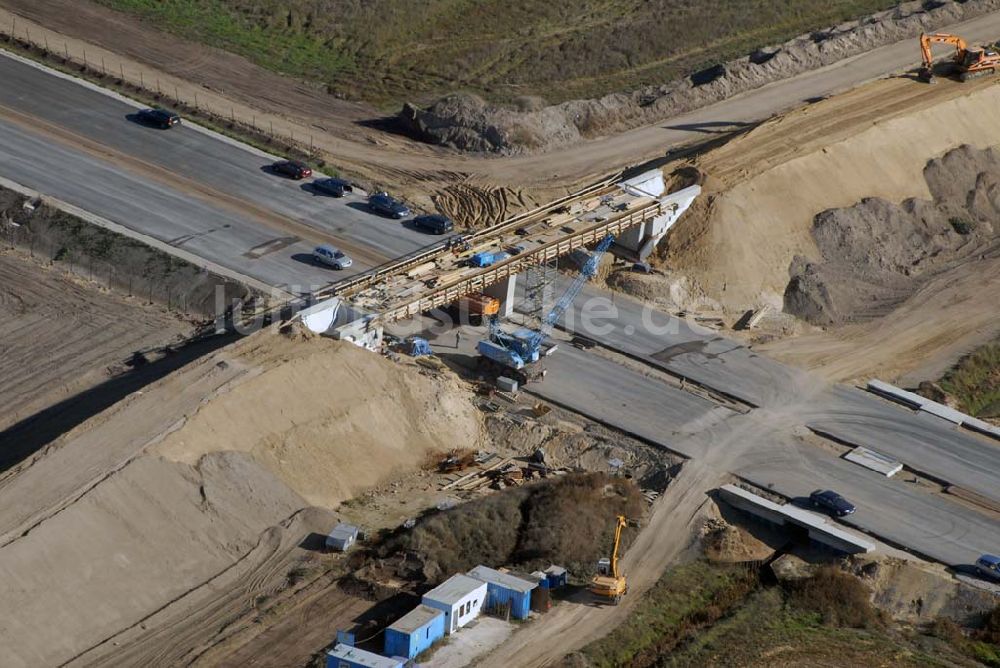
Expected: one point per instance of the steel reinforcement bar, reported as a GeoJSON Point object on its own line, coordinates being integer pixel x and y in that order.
{"type": "Point", "coordinates": [446, 294]}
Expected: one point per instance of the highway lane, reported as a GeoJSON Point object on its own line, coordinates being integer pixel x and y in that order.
{"type": "Point", "coordinates": [891, 508]}
{"type": "Point", "coordinates": [762, 446]}
{"type": "Point", "coordinates": [630, 401]}
{"type": "Point", "coordinates": [922, 441]}
{"type": "Point", "coordinates": [90, 122]}
{"type": "Point", "coordinates": [176, 218]}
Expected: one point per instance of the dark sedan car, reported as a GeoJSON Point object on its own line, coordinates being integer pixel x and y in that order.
{"type": "Point", "coordinates": [434, 223]}
{"type": "Point", "coordinates": [831, 502]}
{"type": "Point", "coordinates": [292, 169]}
{"type": "Point", "coordinates": [333, 187]}
{"type": "Point", "coordinates": [160, 118]}
{"type": "Point", "coordinates": [388, 206]}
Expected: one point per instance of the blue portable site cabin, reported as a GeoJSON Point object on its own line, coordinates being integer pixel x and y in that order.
{"type": "Point", "coordinates": [504, 589]}
{"type": "Point", "coordinates": [414, 632]}
{"type": "Point", "coordinates": [556, 576]}
{"type": "Point", "coordinates": [345, 656]}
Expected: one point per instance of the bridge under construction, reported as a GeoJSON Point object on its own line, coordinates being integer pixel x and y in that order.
{"type": "Point", "coordinates": [636, 211]}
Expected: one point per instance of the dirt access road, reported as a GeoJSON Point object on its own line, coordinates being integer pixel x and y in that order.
{"type": "Point", "coordinates": [231, 86]}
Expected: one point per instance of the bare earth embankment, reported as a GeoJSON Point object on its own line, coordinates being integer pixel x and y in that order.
{"type": "Point", "coordinates": [906, 285]}
{"type": "Point", "coordinates": [61, 334]}
{"type": "Point", "coordinates": [137, 535]}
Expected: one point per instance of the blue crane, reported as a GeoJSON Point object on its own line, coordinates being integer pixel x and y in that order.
{"type": "Point", "coordinates": [519, 349]}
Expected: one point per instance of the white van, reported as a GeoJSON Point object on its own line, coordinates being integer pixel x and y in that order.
{"type": "Point", "coordinates": [332, 257]}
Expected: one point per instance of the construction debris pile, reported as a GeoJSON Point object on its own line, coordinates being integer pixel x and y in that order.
{"type": "Point", "coordinates": [467, 122]}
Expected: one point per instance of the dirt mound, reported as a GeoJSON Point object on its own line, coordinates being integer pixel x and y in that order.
{"type": "Point", "coordinates": [135, 509]}
{"type": "Point", "coordinates": [306, 413]}
{"type": "Point", "coordinates": [467, 122]}
{"type": "Point", "coordinates": [876, 253]}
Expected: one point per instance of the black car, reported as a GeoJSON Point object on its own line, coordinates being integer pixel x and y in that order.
{"type": "Point", "coordinates": [334, 187]}
{"type": "Point", "coordinates": [388, 206]}
{"type": "Point", "coordinates": [160, 118]}
{"type": "Point", "coordinates": [292, 169]}
{"type": "Point", "coordinates": [434, 223]}
{"type": "Point", "coordinates": [832, 502]}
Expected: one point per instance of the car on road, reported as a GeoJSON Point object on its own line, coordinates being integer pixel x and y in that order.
{"type": "Point", "coordinates": [333, 187]}
{"type": "Point", "coordinates": [387, 205]}
{"type": "Point", "coordinates": [332, 257]}
{"type": "Point", "coordinates": [831, 502]}
{"type": "Point", "coordinates": [292, 169]}
{"type": "Point", "coordinates": [989, 566]}
{"type": "Point", "coordinates": [160, 118]}
{"type": "Point", "coordinates": [434, 223]}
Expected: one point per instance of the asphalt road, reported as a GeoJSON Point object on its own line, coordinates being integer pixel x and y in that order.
{"type": "Point", "coordinates": [211, 197]}
{"type": "Point", "coordinates": [182, 186]}
{"type": "Point", "coordinates": [763, 445]}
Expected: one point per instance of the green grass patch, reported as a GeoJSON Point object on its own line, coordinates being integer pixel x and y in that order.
{"type": "Point", "coordinates": [975, 382]}
{"type": "Point", "coordinates": [387, 51]}
{"type": "Point", "coordinates": [703, 614]}
{"type": "Point", "coordinates": [686, 598]}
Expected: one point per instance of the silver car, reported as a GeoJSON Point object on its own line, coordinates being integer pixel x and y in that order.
{"type": "Point", "coordinates": [332, 257]}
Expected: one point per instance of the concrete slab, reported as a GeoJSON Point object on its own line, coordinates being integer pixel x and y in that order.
{"type": "Point", "coordinates": [875, 461]}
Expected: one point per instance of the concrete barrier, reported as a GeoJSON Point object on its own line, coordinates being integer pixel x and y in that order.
{"type": "Point", "coordinates": [917, 402]}
{"type": "Point", "coordinates": [820, 529]}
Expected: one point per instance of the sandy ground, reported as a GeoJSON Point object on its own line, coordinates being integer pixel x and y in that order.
{"type": "Point", "coordinates": [763, 189]}
{"type": "Point", "coordinates": [61, 335]}
{"type": "Point", "coordinates": [185, 501]}
{"type": "Point", "coordinates": [920, 340]}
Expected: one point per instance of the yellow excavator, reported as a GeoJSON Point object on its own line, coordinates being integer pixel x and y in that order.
{"type": "Point", "coordinates": [967, 62]}
{"type": "Point", "coordinates": [609, 584]}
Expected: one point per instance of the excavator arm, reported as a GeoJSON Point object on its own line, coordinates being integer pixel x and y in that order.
{"type": "Point", "coordinates": [927, 39]}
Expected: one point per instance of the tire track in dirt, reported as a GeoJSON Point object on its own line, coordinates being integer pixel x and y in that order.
{"type": "Point", "coordinates": [202, 624]}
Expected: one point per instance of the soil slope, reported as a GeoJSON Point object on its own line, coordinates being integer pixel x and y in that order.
{"type": "Point", "coordinates": [763, 191]}
{"type": "Point", "coordinates": [163, 494]}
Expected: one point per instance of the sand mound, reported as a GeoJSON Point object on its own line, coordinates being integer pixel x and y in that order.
{"type": "Point", "coordinates": [307, 413]}
{"type": "Point", "coordinates": [134, 511]}
{"type": "Point", "coordinates": [876, 253]}
{"type": "Point", "coordinates": [467, 122]}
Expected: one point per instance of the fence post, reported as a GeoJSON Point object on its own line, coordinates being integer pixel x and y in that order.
{"type": "Point", "coordinates": [66, 50]}
{"type": "Point", "coordinates": [196, 99]}
{"type": "Point", "coordinates": [142, 84]}
{"type": "Point", "coordinates": [121, 69]}
{"type": "Point", "coordinates": [84, 59]}
{"type": "Point", "coordinates": [104, 71]}
{"type": "Point", "coordinates": [177, 95]}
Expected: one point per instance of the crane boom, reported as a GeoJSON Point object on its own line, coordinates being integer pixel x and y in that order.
{"type": "Point", "coordinates": [618, 539]}
{"type": "Point", "coordinates": [518, 352]}
{"type": "Point", "coordinates": [588, 271]}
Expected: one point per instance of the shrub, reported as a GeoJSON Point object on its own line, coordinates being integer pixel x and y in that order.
{"type": "Point", "coordinates": [946, 630]}
{"type": "Point", "coordinates": [838, 597]}
{"type": "Point", "coordinates": [991, 628]}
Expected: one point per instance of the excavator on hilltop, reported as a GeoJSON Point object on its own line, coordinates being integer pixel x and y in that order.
{"type": "Point", "coordinates": [609, 584]}
{"type": "Point", "coordinates": [967, 62]}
